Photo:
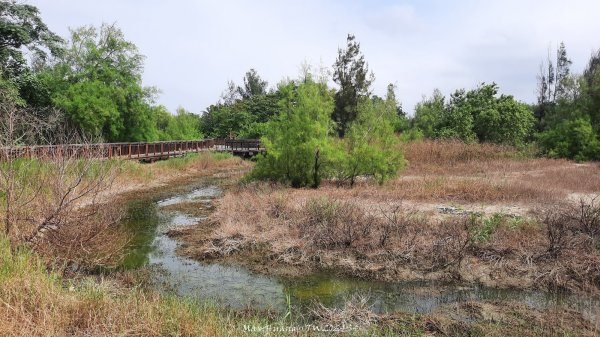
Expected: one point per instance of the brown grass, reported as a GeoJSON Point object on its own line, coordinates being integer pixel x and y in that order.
{"type": "Point", "coordinates": [396, 232]}
{"type": "Point", "coordinates": [35, 302]}
{"type": "Point", "coordinates": [428, 154]}
{"type": "Point", "coordinates": [472, 173]}
{"type": "Point", "coordinates": [389, 241]}
{"type": "Point", "coordinates": [133, 174]}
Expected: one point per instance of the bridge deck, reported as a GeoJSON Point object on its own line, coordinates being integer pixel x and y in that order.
{"type": "Point", "coordinates": [136, 151]}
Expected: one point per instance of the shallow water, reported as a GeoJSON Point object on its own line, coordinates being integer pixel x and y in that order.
{"type": "Point", "coordinates": [237, 287]}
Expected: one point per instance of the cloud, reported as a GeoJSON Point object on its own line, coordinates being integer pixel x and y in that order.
{"type": "Point", "coordinates": [194, 47]}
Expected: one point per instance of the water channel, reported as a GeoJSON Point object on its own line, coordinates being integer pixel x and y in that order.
{"type": "Point", "coordinates": [237, 287]}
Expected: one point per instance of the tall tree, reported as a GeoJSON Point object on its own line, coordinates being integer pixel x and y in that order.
{"type": "Point", "coordinates": [480, 115]}
{"type": "Point", "coordinates": [428, 114]}
{"type": "Point", "coordinates": [351, 73]}
{"type": "Point", "coordinates": [399, 121]}
{"type": "Point", "coordinates": [591, 90]}
{"type": "Point", "coordinates": [563, 69]}
{"type": "Point", "coordinates": [23, 31]}
{"type": "Point", "coordinates": [254, 85]}
{"type": "Point", "coordinates": [553, 85]}
{"type": "Point", "coordinates": [100, 85]}
{"type": "Point", "coordinates": [370, 145]}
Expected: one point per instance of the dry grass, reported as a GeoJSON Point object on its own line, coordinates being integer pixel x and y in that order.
{"type": "Point", "coordinates": [396, 231]}
{"type": "Point", "coordinates": [486, 173]}
{"type": "Point", "coordinates": [431, 155]}
{"type": "Point", "coordinates": [202, 164]}
{"type": "Point", "coordinates": [391, 242]}
{"type": "Point", "coordinates": [35, 302]}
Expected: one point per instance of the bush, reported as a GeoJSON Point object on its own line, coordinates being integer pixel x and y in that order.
{"type": "Point", "coordinates": [335, 224]}
{"type": "Point", "coordinates": [297, 141]}
{"type": "Point", "coordinates": [573, 139]}
{"type": "Point", "coordinates": [370, 146]}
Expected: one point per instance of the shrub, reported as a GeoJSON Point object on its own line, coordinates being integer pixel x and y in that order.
{"type": "Point", "coordinates": [370, 146]}
{"type": "Point", "coordinates": [335, 224]}
{"type": "Point", "coordinates": [297, 141]}
{"type": "Point", "coordinates": [573, 139]}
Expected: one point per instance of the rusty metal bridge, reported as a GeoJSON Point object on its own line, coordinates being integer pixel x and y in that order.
{"type": "Point", "coordinates": [148, 151]}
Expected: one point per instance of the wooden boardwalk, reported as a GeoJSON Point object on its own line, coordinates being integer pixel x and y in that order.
{"type": "Point", "coordinates": [137, 151]}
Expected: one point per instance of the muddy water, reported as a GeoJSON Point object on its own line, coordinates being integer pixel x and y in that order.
{"type": "Point", "coordinates": [237, 287]}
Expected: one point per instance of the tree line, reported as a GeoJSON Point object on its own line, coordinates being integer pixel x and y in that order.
{"type": "Point", "coordinates": [94, 78]}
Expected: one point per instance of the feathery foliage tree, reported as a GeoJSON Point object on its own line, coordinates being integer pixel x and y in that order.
{"type": "Point", "coordinates": [370, 144]}
{"type": "Point", "coordinates": [297, 140]}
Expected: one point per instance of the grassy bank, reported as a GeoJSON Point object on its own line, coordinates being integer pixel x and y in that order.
{"type": "Point", "coordinates": [473, 214]}
{"type": "Point", "coordinates": [40, 298]}
{"type": "Point", "coordinates": [305, 228]}
{"type": "Point", "coordinates": [136, 175]}
{"type": "Point", "coordinates": [38, 302]}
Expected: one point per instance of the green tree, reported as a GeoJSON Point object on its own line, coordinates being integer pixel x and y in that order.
{"type": "Point", "coordinates": [370, 145]}
{"type": "Point", "coordinates": [457, 119]}
{"type": "Point", "coordinates": [481, 115]}
{"type": "Point", "coordinates": [553, 84]}
{"type": "Point", "coordinates": [297, 140]}
{"type": "Point", "coordinates": [253, 85]}
{"type": "Point", "coordinates": [428, 114]}
{"type": "Point", "coordinates": [591, 90]}
{"type": "Point", "coordinates": [242, 112]}
{"type": "Point", "coordinates": [400, 121]}
{"type": "Point", "coordinates": [22, 32]}
{"type": "Point", "coordinates": [351, 73]}
{"type": "Point", "coordinates": [101, 89]}
{"type": "Point", "coordinates": [224, 120]}
{"type": "Point", "coordinates": [508, 122]}
{"type": "Point", "coordinates": [91, 106]}
{"type": "Point", "coordinates": [183, 126]}
{"type": "Point", "coordinates": [573, 139]}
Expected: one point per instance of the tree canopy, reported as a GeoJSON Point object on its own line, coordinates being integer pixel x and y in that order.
{"type": "Point", "coordinates": [95, 78]}
{"type": "Point", "coordinates": [22, 29]}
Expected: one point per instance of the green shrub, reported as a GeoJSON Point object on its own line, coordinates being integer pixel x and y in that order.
{"type": "Point", "coordinates": [573, 139]}
{"type": "Point", "coordinates": [297, 141]}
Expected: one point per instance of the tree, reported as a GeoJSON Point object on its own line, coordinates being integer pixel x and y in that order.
{"type": "Point", "coordinates": [297, 140]}
{"type": "Point", "coordinates": [480, 115]}
{"type": "Point", "coordinates": [573, 139]}
{"type": "Point", "coordinates": [98, 83]}
{"type": "Point", "coordinates": [591, 90]}
{"type": "Point", "coordinates": [22, 31]}
{"type": "Point", "coordinates": [428, 114]}
{"type": "Point", "coordinates": [224, 120]}
{"type": "Point", "coordinates": [50, 200]}
{"type": "Point", "coordinates": [351, 73]}
{"type": "Point", "coordinates": [253, 85]}
{"type": "Point", "coordinates": [563, 64]}
{"type": "Point", "coordinates": [400, 121]}
{"type": "Point", "coordinates": [457, 119]}
{"type": "Point", "coordinates": [553, 85]}
{"type": "Point", "coordinates": [261, 109]}
{"type": "Point", "coordinates": [507, 122]}
{"type": "Point", "coordinates": [370, 144]}
{"type": "Point", "coordinates": [183, 126]}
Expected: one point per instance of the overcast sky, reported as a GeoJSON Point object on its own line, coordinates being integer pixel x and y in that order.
{"type": "Point", "coordinates": [193, 48]}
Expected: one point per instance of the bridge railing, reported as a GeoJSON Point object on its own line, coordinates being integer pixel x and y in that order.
{"type": "Point", "coordinates": [138, 150]}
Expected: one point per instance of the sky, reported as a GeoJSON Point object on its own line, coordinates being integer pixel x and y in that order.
{"type": "Point", "coordinates": [193, 48]}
